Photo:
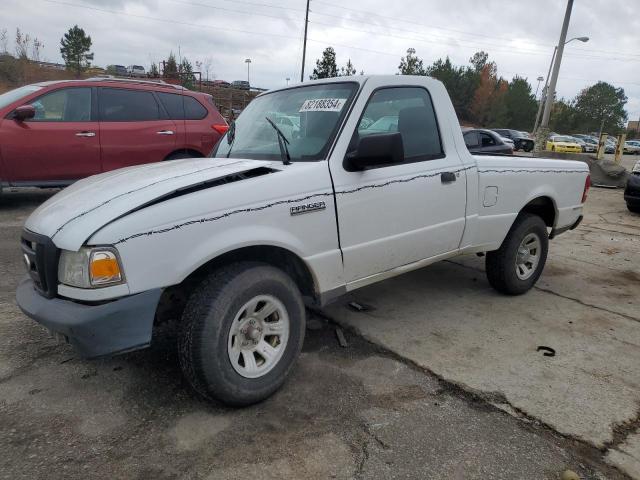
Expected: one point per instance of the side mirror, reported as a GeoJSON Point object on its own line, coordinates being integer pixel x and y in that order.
{"type": "Point", "coordinates": [24, 112]}
{"type": "Point", "coordinates": [375, 150]}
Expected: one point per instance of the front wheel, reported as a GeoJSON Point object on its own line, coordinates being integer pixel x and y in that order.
{"type": "Point", "coordinates": [516, 266]}
{"type": "Point", "coordinates": [241, 332]}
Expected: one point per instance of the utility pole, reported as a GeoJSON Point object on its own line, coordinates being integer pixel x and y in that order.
{"type": "Point", "coordinates": [545, 90]}
{"type": "Point", "coordinates": [304, 45]}
{"type": "Point", "coordinates": [248, 62]}
{"type": "Point", "coordinates": [556, 67]}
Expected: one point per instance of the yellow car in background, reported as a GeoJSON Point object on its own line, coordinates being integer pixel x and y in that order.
{"type": "Point", "coordinates": [559, 143]}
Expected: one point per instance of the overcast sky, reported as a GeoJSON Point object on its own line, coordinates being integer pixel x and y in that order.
{"type": "Point", "coordinates": [519, 35]}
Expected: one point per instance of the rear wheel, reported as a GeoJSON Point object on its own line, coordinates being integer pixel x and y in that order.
{"type": "Point", "coordinates": [241, 332]}
{"type": "Point", "coordinates": [516, 266]}
{"type": "Point", "coordinates": [633, 208]}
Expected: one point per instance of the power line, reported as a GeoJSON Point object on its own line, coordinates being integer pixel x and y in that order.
{"type": "Point", "coordinates": [385, 17]}
{"type": "Point", "coordinates": [458, 44]}
{"type": "Point", "coordinates": [165, 20]}
{"type": "Point", "coordinates": [241, 12]}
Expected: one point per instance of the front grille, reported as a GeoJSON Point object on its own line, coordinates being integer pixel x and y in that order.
{"type": "Point", "coordinates": [42, 256]}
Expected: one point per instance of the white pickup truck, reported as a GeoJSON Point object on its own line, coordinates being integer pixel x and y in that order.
{"type": "Point", "coordinates": [315, 190]}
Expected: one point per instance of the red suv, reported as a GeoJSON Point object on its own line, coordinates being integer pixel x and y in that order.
{"type": "Point", "coordinates": [53, 133]}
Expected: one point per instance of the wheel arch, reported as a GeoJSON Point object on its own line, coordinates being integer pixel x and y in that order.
{"type": "Point", "coordinates": [174, 298]}
{"type": "Point", "coordinates": [543, 206]}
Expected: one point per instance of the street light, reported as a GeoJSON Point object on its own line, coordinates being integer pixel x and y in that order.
{"type": "Point", "coordinates": [545, 89]}
{"type": "Point", "coordinates": [248, 62]}
{"type": "Point", "coordinates": [551, 89]}
{"type": "Point", "coordinates": [540, 78]}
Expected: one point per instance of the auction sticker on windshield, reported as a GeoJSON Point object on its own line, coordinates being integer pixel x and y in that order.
{"type": "Point", "coordinates": [323, 105]}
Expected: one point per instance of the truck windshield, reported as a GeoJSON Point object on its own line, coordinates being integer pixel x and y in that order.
{"type": "Point", "coordinates": [309, 118]}
{"type": "Point", "coordinates": [15, 95]}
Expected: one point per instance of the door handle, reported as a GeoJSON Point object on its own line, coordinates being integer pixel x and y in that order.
{"type": "Point", "coordinates": [86, 134]}
{"type": "Point", "coordinates": [447, 177]}
{"type": "Point", "coordinates": [165, 132]}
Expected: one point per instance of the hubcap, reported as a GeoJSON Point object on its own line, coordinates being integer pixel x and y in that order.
{"type": "Point", "coordinates": [258, 336]}
{"type": "Point", "coordinates": [528, 256]}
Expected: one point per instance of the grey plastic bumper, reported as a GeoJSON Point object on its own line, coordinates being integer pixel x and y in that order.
{"type": "Point", "coordinates": [118, 326]}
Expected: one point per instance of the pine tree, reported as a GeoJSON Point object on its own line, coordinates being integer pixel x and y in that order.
{"type": "Point", "coordinates": [326, 66]}
{"type": "Point", "coordinates": [411, 64]}
{"type": "Point", "coordinates": [74, 48]}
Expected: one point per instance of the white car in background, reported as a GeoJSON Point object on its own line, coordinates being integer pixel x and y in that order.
{"type": "Point", "coordinates": [632, 146]}
{"type": "Point", "coordinates": [136, 71]}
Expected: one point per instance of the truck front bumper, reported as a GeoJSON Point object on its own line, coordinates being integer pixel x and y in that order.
{"type": "Point", "coordinates": [108, 328]}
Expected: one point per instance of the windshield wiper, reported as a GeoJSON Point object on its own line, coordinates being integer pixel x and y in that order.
{"type": "Point", "coordinates": [282, 143]}
{"type": "Point", "coordinates": [231, 136]}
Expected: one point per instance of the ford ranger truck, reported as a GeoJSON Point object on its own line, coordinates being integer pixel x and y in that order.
{"type": "Point", "coordinates": [316, 190]}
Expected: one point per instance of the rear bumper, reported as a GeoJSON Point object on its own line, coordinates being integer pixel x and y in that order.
{"type": "Point", "coordinates": [94, 330]}
{"type": "Point", "coordinates": [557, 231]}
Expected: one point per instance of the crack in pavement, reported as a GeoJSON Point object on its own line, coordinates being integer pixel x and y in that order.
{"type": "Point", "coordinates": [475, 398]}
{"type": "Point", "coordinates": [566, 297]}
{"type": "Point", "coordinates": [623, 430]}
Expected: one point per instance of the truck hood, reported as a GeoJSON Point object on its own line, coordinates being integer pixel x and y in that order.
{"type": "Point", "coordinates": [74, 214]}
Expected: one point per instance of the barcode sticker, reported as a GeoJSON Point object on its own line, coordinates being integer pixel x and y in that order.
{"type": "Point", "coordinates": [323, 105]}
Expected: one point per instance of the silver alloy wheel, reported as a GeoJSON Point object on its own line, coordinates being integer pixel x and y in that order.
{"type": "Point", "coordinates": [528, 256]}
{"type": "Point", "coordinates": [258, 336]}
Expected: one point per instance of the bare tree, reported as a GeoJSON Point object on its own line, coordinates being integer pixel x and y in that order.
{"type": "Point", "coordinates": [36, 49]}
{"type": "Point", "coordinates": [4, 41]}
{"type": "Point", "coordinates": [206, 63]}
{"type": "Point", "coordinates": [23, 40]}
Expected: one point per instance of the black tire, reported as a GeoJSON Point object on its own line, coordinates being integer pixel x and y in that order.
{"type": "Point", "coordinates": [501, 264]}
{"type": "Point", "coordinates": [528, 148]}
{"type": "Point", "coordinates": [181, 155]}
{"type": "Point", "coordinates": [633, 208]}
{"type": "Point", "coordinates": [206, 324]}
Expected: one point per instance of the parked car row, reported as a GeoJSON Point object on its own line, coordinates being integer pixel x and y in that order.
{"type": "Point", "coordinates": [54, 133]}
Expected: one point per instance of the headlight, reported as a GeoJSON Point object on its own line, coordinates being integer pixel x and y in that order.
{"type": "Point", "coordinates": [90, 267]}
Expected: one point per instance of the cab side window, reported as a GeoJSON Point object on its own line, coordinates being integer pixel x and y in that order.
{"type": "Point", "coordinates": [407, 110]}
{"type": "Point", "coordinates": [64, 105]}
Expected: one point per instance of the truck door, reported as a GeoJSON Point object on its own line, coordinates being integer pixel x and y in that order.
{"type": "Point", "coordinates": [397, 214]}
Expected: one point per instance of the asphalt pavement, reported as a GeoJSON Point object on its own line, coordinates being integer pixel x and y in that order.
{"type": "Point", "coordinates": [451, 403]}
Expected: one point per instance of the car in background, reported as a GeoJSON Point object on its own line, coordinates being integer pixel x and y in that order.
{"type": "Point", "coordinates": [220, 83]}
{"type": "Point", "coordinates": [632, 190]}
{"type": "Point", "coordinates": [118, 70]}
{"type": "Point", "coordinates": [520, 141]}
{"type": "Point", "coordinates": [610, 146]}
{"type": "Point", "coordinates": [53, 133]}
{"type": "Point", "coordinates": [241, 85]}
{"type": "Point", "coordinates": [632, 146]}
{"type": "Point", "coordinates": [586, 147]}
{"type": "Point", "coordinates": [591, 142]}
{"type": "Point", "coordinates": [136, 71]}
{"type": "Point", "coordinates": [483, 141]}
{"type": "Point", "coordinates": [563, 144]}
